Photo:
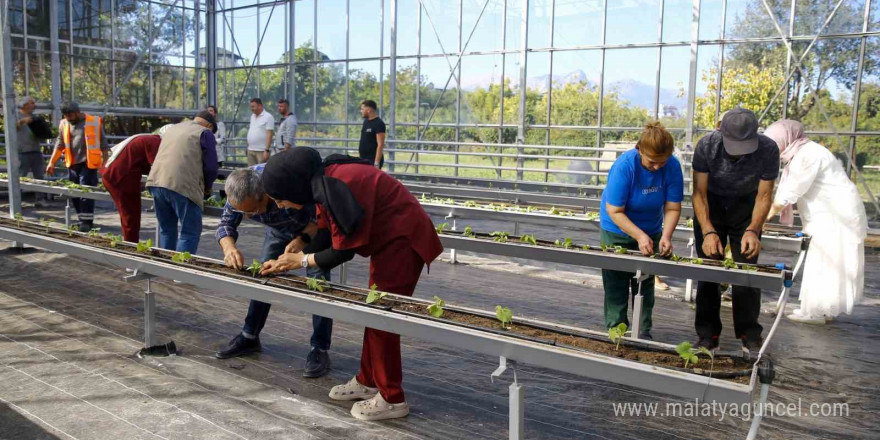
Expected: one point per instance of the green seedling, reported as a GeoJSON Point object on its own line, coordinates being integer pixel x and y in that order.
{"type": "Point", "coordinates": [586, 247]}
{"type": "Point", "coordinates": [566, 213]}
{"type": "Point", "coordinates": [498, 208]}
{"type": "Point", "coordinates": [674, 258]}
{"type": "Point", "coordinates": [707, 352]}
{"type": "Point", "coordinates": [504, 315]}
{"type": "Point", "coordinates": [449, 201]}
{"type": "Point", "coordinates": [147, 194]}
{"type": "Point", "coordinates": [255, 267]}
{"type": "Point", "coordinates": [564, 243]}
{"type": "Point", "coordinates": [603, 247]}
{"type": "Point", "coordinates": [592, 216]}
{"type": "Point", "coordinates": [47, 222]}
{"type": "Point", "coordinates": [531, 209]}
{"type": "Point", "coordinates": [553, 211]}
{"type": "Point", "coordinates": [424, 198]}
{"type": "Point", "coordinates": [144, 246]}
{"type": "Point", "coordinates": [728, 263]}
{"type": "Point", "coordinates": [18, 218]}
{"type": "Point", "coordinates": [436, 309]}
{"type": "Point", "coordinates": [442, 227]}
{"type": "Point", "coordinates": [689, 223]}
{"type": "Point", "coordinates": [616, 334]}
{"type": "Point", "coordinates": [530, 239]}
{"type": "Point", "coordinates": [375, 295]}
{"type": "Point", "coordinates": [470, 204]}
{"type": "Point", "coordinates": [697, 261]}
{"type": "Point", "coordinates": [215, 202]}
{"type": "Point", "coordinates": [114, 239]}
{"type": "Point", "coordinates": [71, 229]}
{"type": "Point", "coordinates": [469, 232]}
{"type": "Point", "coordinates": [181, 257]}
{"type": "Point", "coordinates": [499, 236]}
{"type": "Point", "coordinates": [685, 351]}
{"type": "Point", "coordinates": [95, 232]}
{"type": "Point", "coordinates": [619, 250]}
{"type": "Point", "coordinates": [749, 267]}
{"type": "Point", "coordinates": [316, 284]}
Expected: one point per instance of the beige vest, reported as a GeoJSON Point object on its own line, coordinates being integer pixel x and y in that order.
{"type": "Point", "coordinates": [178, 165]}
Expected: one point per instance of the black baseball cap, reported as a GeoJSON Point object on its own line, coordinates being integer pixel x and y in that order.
{"type": "Point", "coordinates": [739, 130]}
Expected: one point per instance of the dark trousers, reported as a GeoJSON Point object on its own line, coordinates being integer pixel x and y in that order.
{"type": "Point", "coordinates": [83, 175]}
{"type": "Point", "coordinates": [396, 269]}
{"type": "Point", "coordinates": [620, 285]}
{"type": "Point", "coordinates": [258, 311]}
{"type": "Point", "coordinates": [127, 197]}
{"type": "Point", "coordinates": [730, 216]}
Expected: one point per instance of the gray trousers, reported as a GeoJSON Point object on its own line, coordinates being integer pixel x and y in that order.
{"type": "Point", "coordinates": [32, 162]}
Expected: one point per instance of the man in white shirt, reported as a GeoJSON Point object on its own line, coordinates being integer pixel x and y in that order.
{"type": "Point", "coordinates": [259, 137]}
{"type": "Point", "coordinates": [220, 135]}
{"type": "Point", "coordinates": [286, 128]}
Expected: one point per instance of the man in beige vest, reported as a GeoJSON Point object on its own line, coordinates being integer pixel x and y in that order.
{"type": "Point", "coordinates": [181, 178]}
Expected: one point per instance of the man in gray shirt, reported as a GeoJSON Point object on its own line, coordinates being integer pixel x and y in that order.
{"type": "Point", "coordinates": [287, 128]}
{"type": "Point", "coordinates": [30, 155]}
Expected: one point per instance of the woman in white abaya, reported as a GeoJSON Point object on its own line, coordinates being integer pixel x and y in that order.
{"type": "Point", "coordinates": [832, 214]}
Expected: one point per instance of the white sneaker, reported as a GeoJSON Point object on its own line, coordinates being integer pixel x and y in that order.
{"type": "Point", "coordinates": [798, 316]}
{"type": "Point", "coordinates": [378, 409]}
{"type": "Point", "coordinates": [352, 391]}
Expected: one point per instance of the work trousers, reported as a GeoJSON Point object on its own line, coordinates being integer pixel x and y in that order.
{"type": "Point", "coordinates": [81, 174]}
{"type": "Point", "coordinates": [258, 311]}
{"type": "Point", "coordinates": [254, 157]}
{"type": "Point", "coordinates": [730, 216]}
{"type": "Point", "coordinates": [126, 195]}
{"type": "Point", "coordinates": [171, 208]}
{"type": "Point", "coordinates": [619, 285]}
{"type": "Point", "coordinates": [395, 269]}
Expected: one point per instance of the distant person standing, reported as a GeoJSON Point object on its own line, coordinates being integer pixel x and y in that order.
{"type": "Point", "coordinates": [286, 128]}
{"type": "Point", "coordinates": [30, 155]}
{"type": "Point", "coordinates": [260, 133]}
{"type": "Point", "coordinates": [372, 135]}
{"type": "Point", "coordinates": [219, 136]}
{"type": "Point", "coordinates": [181, 178]}
{"type": "Point", "coordinates": [82, 142]}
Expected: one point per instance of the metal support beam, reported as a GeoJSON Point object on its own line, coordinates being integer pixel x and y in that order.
{"type": "Point", "coordinates": [692, 77]}
{"type": "Point", "coordinates": [210, 50]}
{"type": "Point", "coordinates": [291, 58]}
{"type": "Point", "coordinates": [149, 307]}
{"type": "Point", "coordinates": [55, 61]}
{"type": "Point", "coordinates": [637, 304]}
{"type": "Point", "coordinates": [392, 105]}
{"type": "Point", "coordinates": [523, 62]}
{"type": "Point", "coordinates": [9, 111]}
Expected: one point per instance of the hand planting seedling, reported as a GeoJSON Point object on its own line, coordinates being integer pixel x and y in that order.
{"type": "Point", "coordinates": [499, 236]}
{"type": "Point", "coordinates": [95, 232]}
{"type": "Point", "coordinates": [254, 268]}
{"type": "Point", "coordinates": [684, 350]}
{"type": "Point", "coordinates": [442, 227]}
{"type": "Point", "coordinates": [729, 264]}
{"type": "Point", "coordinates": [436, 309]}
{"type": "Point", "coordinates": [375, 295]}
{"type": "Point", "coordinates": [181, 257]}
{"type": "Point", "coordinates": [504, 315]}
{"type": "Point", "coordinates": [144, 246]}
{"type": "Point", "coordinates": [316, 284]}
{"type": "Point", "coordinates": [564, 243]}
{"type": "Point", "coordinates": [530, 239]}
{"type": "Point", "coordinates": [616, 334]}
{"type": "Point", "coordinates": [469, 232]}
{"type": "Point", "coordinates": [71, 229]}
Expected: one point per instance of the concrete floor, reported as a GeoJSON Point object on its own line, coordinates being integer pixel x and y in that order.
{"type": "Point", "coordinates": [68, 331]}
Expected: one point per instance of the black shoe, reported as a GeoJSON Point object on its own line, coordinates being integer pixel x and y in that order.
{"type": "Point", "coordinates": [707, 343]}
{"type": "Point", "coordinates": [240, 346]}
{"type": "Point", "coordinates": [646, 336]}
{"type": "Point", "coordinates": [317, 363]}
{"type": "Point", "coordinates": [86, 226]}
{"type": "Point", "coordinates": [753, 344]}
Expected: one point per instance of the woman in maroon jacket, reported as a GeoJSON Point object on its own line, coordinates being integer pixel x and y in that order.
{"type": "Point", "coordinates": [129, 160]}
{"type": "Point", "coordinates": [372, 214]}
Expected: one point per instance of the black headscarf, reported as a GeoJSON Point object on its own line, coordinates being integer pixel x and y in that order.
{"type": "Point", "coordinates": [297, 175]}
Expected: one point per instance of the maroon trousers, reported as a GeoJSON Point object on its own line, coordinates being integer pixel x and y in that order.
{"type": "Point", "coordinates": [127, 196]}
{"type": "Point", "coordinates": [395, 269]}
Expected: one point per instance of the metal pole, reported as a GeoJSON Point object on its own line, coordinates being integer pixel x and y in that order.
{"type": "Point", "coordinates": [211, 50]}
{"type": "Point", "coordinates": [291, 54]}
{"type": "Point", "coordinates": [9, 113]}
{"type": "Point", "coordinates": [149, 317]}
{"type": "Point", "coordinates": [521, 128]}
{"type": "Point", "coordinates": [55, 61]}
{"type": "Point", "coordinates": [517, 410]}
{"type": "Point", "coordinates": [392, 82]}
{"type": "Point", "coordinates": [692, 79]}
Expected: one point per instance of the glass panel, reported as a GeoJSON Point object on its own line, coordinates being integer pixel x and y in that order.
{"type": "Point", "coordinates": [331, 92]}
{"type": "Point", "coordinates": [37, 12]}
{"type": "Point", "coordinates": [438, 18]}
{"type": "Point", "coordinates": [364, 33]}
{"type": "Point", "coordinates": [167, 87]}
{"type": "Point", "coordinates": [830, 68]}
{"type": "Point", "coordinates": [434, 75]}
{"type": "Point", "coordinates": [674, 72]}
{"type": "Point", "coordinates": [745, 20]}
{"type": "Point", "coordinates": [64, 19]}
{"type": "Point", "coordinates": [91, 22]}
{"type": "Point", "coordinates": [513, 33]}
{"type": "Point", "coordinates": [132, 25]}
{"type": "Point", "coordinates": [578, 23]}
{"type": "Point", "coordinates": [331, 28]}
{"type": "Point", "coordinates": [622, 15]}
{"type": "Point", "coordinates": [629, 88]}
{"type": "Point", "coordinates": [869, 98]}
{"type": "Point", "coordinates": [575, 91]}
{"type": "Point", "coordinates": [407, 74]}
{"type": "Point", "coordinates": [304, 23]}
{"type": "Point", "coordinates": [18, 72]}
{"type": "Point", "coordinates": [487, 35]}
{"type": "Point", "coordinates": [753, 73]}
{"type": "Point", "coordinates": [407, 31]}
{"type": "Point", "coordinates": [275, 41]}
{"type": "Point", "coordinates": [810, 15]}
{"type": "Point", "coordinates": [40, 73]}
{"type": "Point", "coordinates": [305, 89]}
{"type": "Point", "coordinates": [510, 113]}
{"type": "Point", "coordinates": [481, 89]}
{"type": "Point", "coordinates": [272, 87]}
{"type": "Point", "coordinates": [538, 84]}
{"type": "Point", "coordinates": [247, 33]}
{"type": "Point", "coordinates": [710, 20]}
{"type": "Point", "coordinates": [190, 32]}
{"type": "Point", "coordinates": [678, 19]}
{"type": "Point", "coordinates": [363, 83]}
{"type": "Point", "coordinates": [867, 156]}
{"type": "Point", "coordinates": [708, 60]}
{"type": "Point", "coordinates": [539, 24]}
{"type": "Point", "coordinates": [874, 19]}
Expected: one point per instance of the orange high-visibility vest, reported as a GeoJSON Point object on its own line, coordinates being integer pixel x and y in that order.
{"type": "Point", "coordinates": [92, 133]}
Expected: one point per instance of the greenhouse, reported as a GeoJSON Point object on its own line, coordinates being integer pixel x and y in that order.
{"type": "Point", "coordinates": [523, 219]}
